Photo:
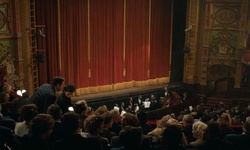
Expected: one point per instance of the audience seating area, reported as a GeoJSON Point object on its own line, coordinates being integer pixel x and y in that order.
{"type": "Point", "coordinates": [215, 108]}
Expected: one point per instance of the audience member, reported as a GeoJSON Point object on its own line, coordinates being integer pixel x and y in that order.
{"type": "Point", "coordinates": [199, 111]}
{"type": "Point", "coordinates": [81, 108]}
{"type": "Point", "coordinates": [156, 132]}
{"type": "Point", "coordinates": [26, 114]}
{"type": "Point", "coordinates": [12, 95]}
{"type": "Point", "coordinates": [241, 141]}
{"type": "Point", "coordinates": [108, 122]}
{"type": "Point", "coordinates": [173, 121]}
{"type": "Point", "coordinates": [116, 126]}
{"type": "Point", "coordinates": [143, 122]}
{"type": "Point", "coordinates": [73, 139]}
{"type": "Point", "coordinates": [187, 122]}
{"type": "Point", "coordinates": [40, 131]}
{"type": "Point", "coordinates": [171, 138]}
{"type": "Point", "coordinates": [64, 99]}
{"type": "Point", "coordinates": [7, 105]}
{"type": "Point", "coordinates": [180, 116]}
{"type": "Point", "coordinates": [8, 140]}
{"type": "Point", "coordinates": [4, 97]}
{"type": "Point", "coordinates": [6, 121]}
{"type": "Point", "coordinates": [198, 131]}
{"type": "Point", "coordinates": [212, 140]}
{"type": "Point", "coordinates": [225, 122]}
{"type": "Point", "coordinates": [93, 126]}
{"type": "Point", "coordinates": [173, 116]}
{"type": "Point", "coordinates": [17, 104]}
{"type": "Point", "coordinates": [131, 138]}
{"type": "Point", "coordinates": [131, 120]}
{"type": "Point", "coordinates": [101, 109]}
{"type": "Point", "coordinates": [45, 95]}
{"type": "Point", "coordinates": [55, 111]}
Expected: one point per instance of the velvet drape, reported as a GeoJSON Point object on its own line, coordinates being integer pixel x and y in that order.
{"type": "Point", "coordinates": [105, 45]}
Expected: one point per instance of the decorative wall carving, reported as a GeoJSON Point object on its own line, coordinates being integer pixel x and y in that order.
{"type": "Point", "coordinates": [7, 68]}
{"type": "Point", "coordinates": [222, 49]}
{"type": "Point", "coordinates": [225, 15]}
{"type": "Point", "coordinates": [223, 30]}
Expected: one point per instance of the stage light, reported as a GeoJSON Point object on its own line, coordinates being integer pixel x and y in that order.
{"type": "Point", "coordinates": [20, 92]}
{"type": "Point", "coordinates": [71, 108]}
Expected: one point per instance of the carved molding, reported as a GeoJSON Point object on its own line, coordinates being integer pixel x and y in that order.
{"type": "Point", "coordinates": [222, 48]}
{"type": "Point", "coordinates": [225, 15]}
{"type": "Point", "coordinates": [7, 66]}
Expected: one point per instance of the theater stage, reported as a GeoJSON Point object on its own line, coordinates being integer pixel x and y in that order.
{"type": "Point", "coordinates": [115, 97]}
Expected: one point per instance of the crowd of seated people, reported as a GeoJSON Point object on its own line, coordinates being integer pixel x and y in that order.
{"type": "Point", "coordinates": [124, 128]}
{"type": "Point", "coordinates": [195, 133]}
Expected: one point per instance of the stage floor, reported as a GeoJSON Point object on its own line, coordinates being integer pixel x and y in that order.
{"type": "Point", "coordinates": [118, 93]}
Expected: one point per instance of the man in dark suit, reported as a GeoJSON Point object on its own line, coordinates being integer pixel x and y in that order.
{"type": "Point", "coordinates": [166, 91]}
{"type": "Point", "coordinates": [154, 104]}
{"type": "Point", "coordinates": [129, 103]}
{"type": "Point", "coordinates": [45, 95]}
{"type": "Point", "coordinates": [184, 97]}
{"type": "Point", "coordinates": [139, 100]}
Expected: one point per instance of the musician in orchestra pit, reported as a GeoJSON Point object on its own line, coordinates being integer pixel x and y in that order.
{"type": "Point", "coordinates": [184, 97]}
{"type": "Point", "coordinates": [129, 104]}
{"type": "Point", "coordinates": [139, 101]}
{"type": "Point", "coordinates": [166, 91]}
{"type": "Point", "coordinates": [154, 104]}
{"type": "Point", "coordinates": [122, 107]}
{"type": "Point", "coordinates": [168, 103]}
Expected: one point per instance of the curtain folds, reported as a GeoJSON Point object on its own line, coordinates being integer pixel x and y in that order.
{"type": "Point", "coordinates": [74, 41]}
{"type": "Point", "coordinates": [105, 45]}
{"type": "Point", "coordinates": [160, 39]}
{"type": "Point", "coordinates": [47, 46]}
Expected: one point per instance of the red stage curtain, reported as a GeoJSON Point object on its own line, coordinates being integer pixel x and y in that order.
{"type": "Point", "coordinates": [101, 42]}
{"type": "Point", "coordinates": [96, 43]}
{"type": "Point", "coordinates": [137, 32]}
{"type": "Point", "coordinates": [46, 19]}
{"type": "Point", "coordinates": [160, 38]}
{"type": "Point", "coordinates": [118, 64]}
{"type": "Point", "coordinates": [74, 41]}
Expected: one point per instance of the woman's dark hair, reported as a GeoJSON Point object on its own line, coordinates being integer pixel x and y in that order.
{"type": "Point", "coordinates": [70, 122]}
{"type": "Point", "coordinates": [172, 135]}
{"type": "Point", "coordinates": [69, 88]}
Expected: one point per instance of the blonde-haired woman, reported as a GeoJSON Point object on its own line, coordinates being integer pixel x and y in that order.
{"type": "Point", "coordinates": [198, 130]}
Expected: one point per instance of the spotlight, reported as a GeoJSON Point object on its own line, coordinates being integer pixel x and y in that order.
{"type": "Point", "coordinates": [20, 92]}
{"type": "Point", "coordinates": [71, 108]}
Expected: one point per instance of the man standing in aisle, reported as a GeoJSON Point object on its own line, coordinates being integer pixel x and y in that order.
{"type": "Point", "coordinates": [45, 95]}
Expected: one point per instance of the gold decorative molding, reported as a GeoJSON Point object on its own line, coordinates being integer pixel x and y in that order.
{"type": "Point", "coordinates": [225, 15]}
{"type": "Point", "coordinates": [7, 66]}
